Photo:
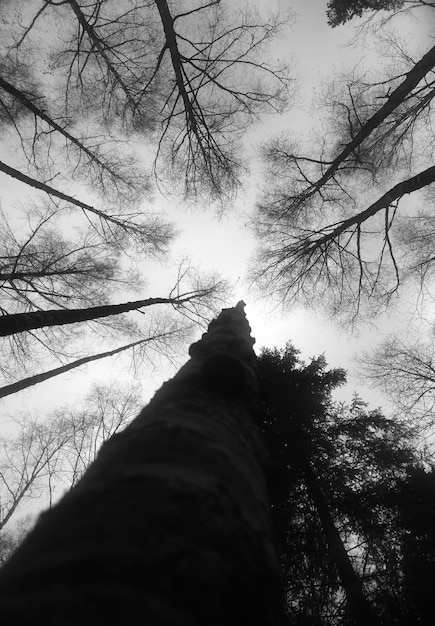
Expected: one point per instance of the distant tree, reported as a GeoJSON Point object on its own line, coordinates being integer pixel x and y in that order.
{"type": "Point", "coordinates": [29, 463]}
{"type": "Point", "coordinates": [42, 458]}
{"type": "Point", "coordinates": [335, 470]}
{"type": "Point", "coordinates": [334, 219]}
{"type": "Point", "coordinates": [164, 341]}
{"type": "Point", "coordinates": [10, 539]}
{"type": "Point", "coordinates": [405, 372]}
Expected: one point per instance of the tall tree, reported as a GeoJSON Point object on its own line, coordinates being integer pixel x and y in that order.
{"type": "Point", "coordinates": [334, 473]}
{"type": "Point", "coordinates": [38, 334]}
{"type": "Point", "coordinates": [335, 218]}
{"type": "Point", "coordinates": [21, 322]}
{"type": "Point", "coordinates": [183, 491]}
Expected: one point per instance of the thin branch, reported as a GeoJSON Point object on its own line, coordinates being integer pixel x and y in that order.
{"type": "Point", "coordinates": [39, 378]}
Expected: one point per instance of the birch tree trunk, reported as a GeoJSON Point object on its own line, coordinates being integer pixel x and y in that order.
{"type": "Point", "coordinates": [170, 525]}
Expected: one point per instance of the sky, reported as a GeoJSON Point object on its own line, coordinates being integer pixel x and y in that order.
{"type": "Point", "coordinates": [226, 244]}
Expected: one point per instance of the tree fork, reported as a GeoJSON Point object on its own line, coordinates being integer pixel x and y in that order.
{"type": "Point", "coordinates": [171, 524]}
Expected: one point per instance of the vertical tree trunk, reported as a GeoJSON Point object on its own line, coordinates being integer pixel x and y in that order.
{"type": "Point", "coordinates": [170, 525]}
{"type": "Point", "coordinates": [359, 608]}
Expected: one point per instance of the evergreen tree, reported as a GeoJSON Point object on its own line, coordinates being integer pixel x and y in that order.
{"type": "Point", "coordinates": [341, 11]}
{"type": "Point", "coordinates": [417, 513]}
{"type": "Point", "coordinates": [337, 470]}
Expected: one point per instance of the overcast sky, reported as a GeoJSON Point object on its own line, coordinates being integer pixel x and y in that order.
{"type": "Point", "coordinates": [226, 245]}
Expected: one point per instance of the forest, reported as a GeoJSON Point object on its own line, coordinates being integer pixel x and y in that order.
{"type": "Point", "coordinates": [160, 160]}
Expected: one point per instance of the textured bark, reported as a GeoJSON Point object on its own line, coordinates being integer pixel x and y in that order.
{"type": "Point", "coordinates": [171, 524]}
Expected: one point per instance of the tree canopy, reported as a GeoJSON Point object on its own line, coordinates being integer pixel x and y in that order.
{"type": "Point", "coordinates": [100, 103]}
{"type": "Point", "coordinates": [334, 216]}
{"type": "Point", "coordinates": [341, 11]}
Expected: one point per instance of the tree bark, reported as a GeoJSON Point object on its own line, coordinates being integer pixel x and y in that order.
{"type": "Point", "coordinates": [171, 524]}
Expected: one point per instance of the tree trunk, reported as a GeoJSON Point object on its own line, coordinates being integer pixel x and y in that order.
{"type": "Point", "coordinates": [359, 608]}
{"type": "Point", "coordinates": [420, 180]}
{"type": "Point", "coordinates": [24, 383]}
{"type": "Point", "coordinates": [39, 112]}
{"type": "Point", "coordinates": [394, 100]}
{"type": "Point", "coordinates": [20, 322]}
{"type": "Point", "coordinates": [36, 184]}
{"type": "Point", "coordinates": [171, 524]}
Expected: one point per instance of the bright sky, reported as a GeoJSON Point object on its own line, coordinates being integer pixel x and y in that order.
{"type": "Point", "coordinates": [317, 51]}
{"type": "Point", "coordinates": [226, 245]}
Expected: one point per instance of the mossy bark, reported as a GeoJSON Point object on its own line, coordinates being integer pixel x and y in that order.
{"type": "Point", "coordinates": [171, 524]}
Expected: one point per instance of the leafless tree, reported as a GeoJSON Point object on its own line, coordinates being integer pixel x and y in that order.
{"type": "Point", "coordinates": [405, 372]}
{"type": "Point", "coordinates": [45, 267]}
{"type": "Point", "coordinates": [11, 538]}
{"type": "Point", "coordinates": [94, 97]}
{"type": "Point", "coordinates": [186, 77]}
{"type": "Point", "coordinates": [154, 329]}
{"type": "Point", "coordinates": [40, 267]}
{"type": "Point", "coordinates": [42, 458]}
{"type": "Point", "coordinates": [29, 461]}
{"type": "Point", "coordinates": [333, 220]}
{"type": "Point", "coordinates": [164, 337]}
